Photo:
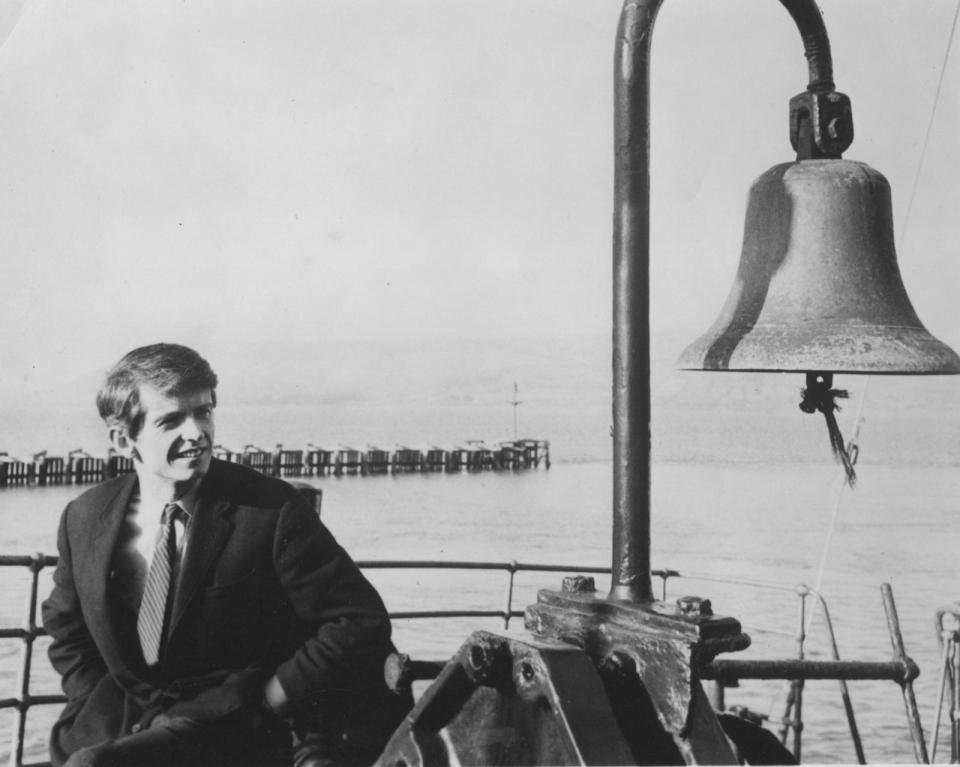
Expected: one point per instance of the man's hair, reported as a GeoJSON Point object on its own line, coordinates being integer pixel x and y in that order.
{"type": "Point", "coordinates": [170, 368]}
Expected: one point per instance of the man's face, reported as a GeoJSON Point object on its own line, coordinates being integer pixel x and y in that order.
{"type": "Point", "coordinates": [175, 442]}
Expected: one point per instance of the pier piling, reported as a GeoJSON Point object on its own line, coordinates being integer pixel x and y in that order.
{"type": "Point", "coordinates": [80, 467]}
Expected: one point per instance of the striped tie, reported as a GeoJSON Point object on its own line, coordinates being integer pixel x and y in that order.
{"type": "Point", "coordinates": [153, 606]}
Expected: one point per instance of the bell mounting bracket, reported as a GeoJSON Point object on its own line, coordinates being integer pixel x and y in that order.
{"type": "Point", "coordinates": [821, 120]}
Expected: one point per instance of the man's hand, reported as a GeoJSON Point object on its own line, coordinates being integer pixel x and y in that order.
{"type": "Point", "coordinates": [272, 706]}
{"type": "Point", "coordinates": [162, 720]}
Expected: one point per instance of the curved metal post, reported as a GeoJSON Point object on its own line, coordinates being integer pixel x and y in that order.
{"type": "Point", "coordinates": [631, 275]}
{"type": "Point", "coordinates": [816, 45]}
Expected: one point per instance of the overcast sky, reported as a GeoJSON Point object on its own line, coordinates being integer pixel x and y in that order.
{"type": "Point", "coordinates": [204, 171]}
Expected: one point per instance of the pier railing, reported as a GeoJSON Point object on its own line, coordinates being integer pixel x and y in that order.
{"type": "Point", "coordinates": [724, 673]}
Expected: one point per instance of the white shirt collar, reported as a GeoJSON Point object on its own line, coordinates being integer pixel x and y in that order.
{"type": "Point", "coordinates": [186, 502]}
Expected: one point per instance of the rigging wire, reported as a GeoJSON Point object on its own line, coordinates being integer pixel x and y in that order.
{"type": "Point", "coordinates": [933, 112]}
{"type": "Point", "coordinates": [853, 447]}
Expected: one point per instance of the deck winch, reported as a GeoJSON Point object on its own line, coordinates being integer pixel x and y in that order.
{"type": "Point", "coordinates": [613, 679]}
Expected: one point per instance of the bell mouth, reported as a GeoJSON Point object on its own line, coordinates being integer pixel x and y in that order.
{"type": "Point", "coordinates": [849, 347]}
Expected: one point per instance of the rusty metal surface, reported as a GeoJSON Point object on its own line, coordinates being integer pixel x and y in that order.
{"type": "Point", "coordinates": [664, 643]}
{"type": "Point", "coordinates": [818, 287]}
{"type": "Point", "coordinates": [702, 740]}
{"type": "Point", "coordinates": [587, 611]}
{"type": "Point", "coordinates": [503, 701]}
{"type": "Point", "coordinates": [899, 671]}
{"type": "Point", "coordinates": [400, 670]}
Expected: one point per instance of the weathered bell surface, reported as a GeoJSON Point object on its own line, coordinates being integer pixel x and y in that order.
{"type": "Point", "coordinates": [818, 287]}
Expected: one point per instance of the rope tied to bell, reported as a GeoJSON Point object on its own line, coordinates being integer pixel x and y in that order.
{"type": "Point", "coordinates": [819, 395]}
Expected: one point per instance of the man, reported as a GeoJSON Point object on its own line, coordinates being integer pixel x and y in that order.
{"type": "Point", "coordinates": [198, 604]}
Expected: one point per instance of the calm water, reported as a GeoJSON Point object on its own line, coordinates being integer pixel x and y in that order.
{"type": "Point", "coordinates": [740, 493]}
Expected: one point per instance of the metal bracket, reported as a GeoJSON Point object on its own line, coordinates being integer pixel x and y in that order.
{"type": "Point", "coordinates": [662, 645]}
{"type": "Point", "coordinates": [830, 124]}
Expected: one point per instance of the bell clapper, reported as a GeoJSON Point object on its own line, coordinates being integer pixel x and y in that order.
{"type": "Point", "coordinates": [819, 395]}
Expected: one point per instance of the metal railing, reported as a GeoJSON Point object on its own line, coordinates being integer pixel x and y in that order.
{"type": "Point", "coordinates": [720, 671]}
{"type": "Point", "coordinates": [511, 568]}
{"type": "Point", "coordinates": [23, 701]}
{"type": "Point", "coordinates": [27, 634]}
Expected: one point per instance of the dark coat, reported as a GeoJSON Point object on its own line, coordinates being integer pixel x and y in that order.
{"type": "Point", "coordinates": [264, 589]}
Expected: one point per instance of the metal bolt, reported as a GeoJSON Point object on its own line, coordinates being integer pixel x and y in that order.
{"type": "Point", "coordinates": [396, 670]}
{"type": "Point", "coordinates": [578, 584]}
{"type": "Point", "coordinates": [526, 671]}
{"type": "Point", "coordinates": [836, 128]}
{"type": "Point", "coordinates": [480, 657]}
{"type": "Point", "coordinates": [616, 662]}
{"type": "Point", "coordinates": [527, 677]}
{"type": "Point", "coordinates": [949, 618]}
{"type": "Point", "coordinates": [694, 606]}
{"type": "Point", "coordinates": [488, 661]}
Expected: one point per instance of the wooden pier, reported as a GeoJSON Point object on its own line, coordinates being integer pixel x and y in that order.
{"type": "Point", "coordinates": [80, 467]}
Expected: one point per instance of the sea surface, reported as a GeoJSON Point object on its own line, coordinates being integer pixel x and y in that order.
{"type": "Point", "coordinates": [747, 505]}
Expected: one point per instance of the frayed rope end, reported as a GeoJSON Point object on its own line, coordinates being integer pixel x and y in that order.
{"type": "Point", "coordinates": [818, 395]}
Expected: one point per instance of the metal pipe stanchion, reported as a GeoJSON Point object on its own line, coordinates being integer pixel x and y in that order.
{"type": "Point", "coordinates": [909, 699]}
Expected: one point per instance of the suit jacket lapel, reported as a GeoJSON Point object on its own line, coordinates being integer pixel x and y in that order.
{"type": "Point", "coordinates": [93, 579]}
{"type": "Point", "coordinates": [210, 530]}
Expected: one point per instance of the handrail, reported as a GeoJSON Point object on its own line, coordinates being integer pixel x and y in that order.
{"type": "Point", "coordinates": [512, 567]}
{"type": "Point", "coordinates": [37, 562]}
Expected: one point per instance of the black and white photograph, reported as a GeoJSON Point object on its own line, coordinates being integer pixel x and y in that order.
{"type": "Point", "coordinates": [446, 382]}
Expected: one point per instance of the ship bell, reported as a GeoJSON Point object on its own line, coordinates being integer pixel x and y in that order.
{"type": "Point", "coordinates": [818, 287]}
